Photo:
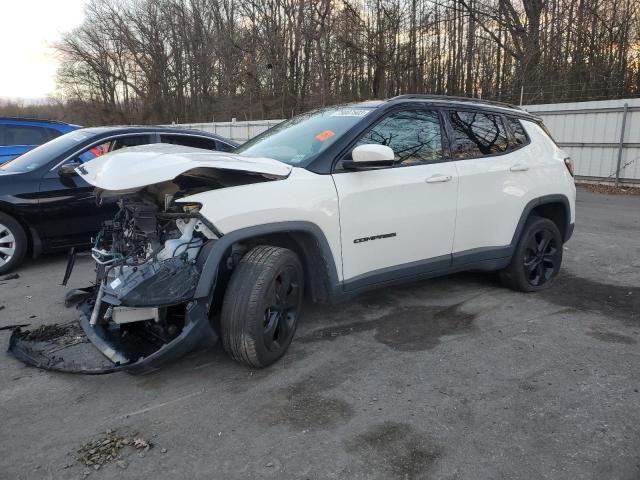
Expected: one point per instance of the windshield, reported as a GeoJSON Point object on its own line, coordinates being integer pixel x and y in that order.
{"type": "Point", "coordinates": [298, 140]}
{"type": "Point", "coordinates": [39, 156]}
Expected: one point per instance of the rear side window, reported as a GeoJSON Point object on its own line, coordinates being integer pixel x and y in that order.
{"type": "Point", "coordinates": [477, 134]}
{"type": "Point", "coordinates": [52, 133]}
{"type": "Point", "coordinates": [190, 141]}
{"type": "Point", "coordinates": [24, 135]}
{"type": "Point", "coordinates": [519, 135]}
{"type": "Point", "coordinates": [224, 147]}
{"type": "Point", "coordinates": [414, 136]}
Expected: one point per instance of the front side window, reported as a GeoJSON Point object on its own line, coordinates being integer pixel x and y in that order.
{"type": "Point", "coordinates": [93, 152]}
{"type": "Point", "coordinates": [414, 136]}
{"type": "Point", "coordinates": [299, 140]}
{"type": "Point", "coordinates": [477, 134]}
{"type": "Point", "coordinates": [110, 145]}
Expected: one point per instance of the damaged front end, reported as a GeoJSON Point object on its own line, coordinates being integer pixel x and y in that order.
{"type": "Point", "coordinates": [148, 266]}
{"type": "Point", "coordinates": [141, 313]}
{"type": "Point", "coordinates": [143, 310]}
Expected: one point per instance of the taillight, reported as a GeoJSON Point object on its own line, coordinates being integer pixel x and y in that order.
{"type": "Point", "coordinates": [569, 163]}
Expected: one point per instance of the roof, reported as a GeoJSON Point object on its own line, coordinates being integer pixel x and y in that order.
{"type": "Point", "coordinates": [158, 129]}
{"type": "Point", "coordinates": [40, 120]}
{"type": "Point", "coordinates": [450, 100]}
{"type": "Point", "coordinates": [463, 101]}
{"type": "Point", "coordinates": [453, 99]}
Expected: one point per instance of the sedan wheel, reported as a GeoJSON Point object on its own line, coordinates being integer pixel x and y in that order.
{"type": "Point", "coordinates": [13, 243]}
{"type": "Point", "coordinates": [7, 245]}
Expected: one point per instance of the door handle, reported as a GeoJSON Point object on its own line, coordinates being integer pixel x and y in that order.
{"type": "Point", "coordinates": [519, 167]}
{"type": "Point", "coordinates": [437, 178]}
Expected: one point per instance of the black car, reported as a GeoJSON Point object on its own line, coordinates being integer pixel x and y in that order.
{"type": "Point", "coordinates": [45, 206]}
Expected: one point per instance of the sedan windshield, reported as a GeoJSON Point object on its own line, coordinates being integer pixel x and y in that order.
{"type": "Point", "coordinates": [298, 140]}
{"type": "Point", "coordinates": [40, 156]}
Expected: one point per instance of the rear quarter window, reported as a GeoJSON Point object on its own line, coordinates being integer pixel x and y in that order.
{"type": "Point", "coordinates": [517, 130]}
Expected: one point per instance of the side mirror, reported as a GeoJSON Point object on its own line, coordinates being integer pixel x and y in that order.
{"type": "Point", "coordinates": [68, 170]}
{"type": "Point", "coordinates": [370, 156]}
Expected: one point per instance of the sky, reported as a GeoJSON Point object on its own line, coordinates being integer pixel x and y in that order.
{"type": "Point", "coordinates": [28, 28]}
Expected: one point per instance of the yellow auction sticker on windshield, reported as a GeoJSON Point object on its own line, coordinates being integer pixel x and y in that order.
{"type": "Point", "coordinates": [326, 135]}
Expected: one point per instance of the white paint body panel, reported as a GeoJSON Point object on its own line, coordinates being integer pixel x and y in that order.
{"type": "Point", "coordinates": [396, 200]}
{"type": "Point", "coordinates": [303, 196]}
{"type": "Point", "coordinates": [492, 197]}
{"type": "Point", "coordinates": [137, 167]}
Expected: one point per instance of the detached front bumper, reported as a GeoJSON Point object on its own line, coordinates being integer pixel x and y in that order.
{"type": "Point", "coordinates": [79, 347]}
{"type": "Point", "coordinates": [196, 331]}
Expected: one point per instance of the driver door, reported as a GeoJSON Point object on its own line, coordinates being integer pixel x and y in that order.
{"type": "Point", "coordinates": [398, 221]}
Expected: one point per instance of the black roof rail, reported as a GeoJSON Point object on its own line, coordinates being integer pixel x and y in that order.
{"type": "Point", "coordinates": [419, 96]}
{"type": "Point", "coordinates": [28, 119]}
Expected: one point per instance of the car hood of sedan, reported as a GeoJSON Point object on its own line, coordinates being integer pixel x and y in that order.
{"type": "Point", "coordinates": [137, 167]}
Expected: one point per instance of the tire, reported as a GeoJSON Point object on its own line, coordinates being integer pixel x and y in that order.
{"type": "Point", "coordinates": [537, 258]}
{"type": "Point", "coordinates": [261, 306]}
{"type": "Point", "coordinates": [13, 243]}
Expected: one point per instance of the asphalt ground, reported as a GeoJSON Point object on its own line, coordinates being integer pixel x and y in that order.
{"type": "Point", "coordinates": [451, 378]}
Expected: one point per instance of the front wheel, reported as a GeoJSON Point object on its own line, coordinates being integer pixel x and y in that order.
{"type": "Point", "coordinates": [537, 258]}
{"type": "Point", "coordinates": [261, 306]}
{"type": "Point", "coordinates": [13, 243]}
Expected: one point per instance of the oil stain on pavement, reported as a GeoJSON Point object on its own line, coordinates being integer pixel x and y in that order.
{"type": "Point", "coordinates": [620, 302]}
{"type": "Point", "coordinates": [396, 449]}
{"type": "Point", "coordinates": [611, 337]}
{"type": "Point", "coordinates": [408, 329]}
{"type": "Point", "coordinates": [304, 405]}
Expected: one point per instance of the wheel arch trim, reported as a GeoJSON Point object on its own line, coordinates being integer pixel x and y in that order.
{"type": "Point", "coordinates": [209, 273]}
{"type": "Point", "coordinates": [537, 202]}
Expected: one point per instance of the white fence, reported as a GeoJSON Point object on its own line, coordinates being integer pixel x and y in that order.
{"type": "Point", "coordinates": [591, 132]}
{"type": "Point", "coordinates": [237, 131]}
{"type": "Point", "coordinates": [599, 136]}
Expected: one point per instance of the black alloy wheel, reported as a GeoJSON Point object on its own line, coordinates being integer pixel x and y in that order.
{"type": "Point", "coordinates": [541, 258]}
{"type": "Point", "coordinates": [280, 317]}
{"type": "Point", "coordinates": [261, 306]}
{"type": "Point", "coordinates": [537, 257]}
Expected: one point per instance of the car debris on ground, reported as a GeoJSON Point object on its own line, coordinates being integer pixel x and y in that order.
{"type": "Point", "coordinates": [109, 447]}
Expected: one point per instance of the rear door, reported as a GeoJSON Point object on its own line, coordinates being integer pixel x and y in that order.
{"type": "Point", "coordinates": [398, 221]}
{"type": "Point", "coordinates": [493, 186]}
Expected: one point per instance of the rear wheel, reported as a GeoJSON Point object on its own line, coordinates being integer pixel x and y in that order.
{"type": "Point", "coordinates": [13, 243]}
{"type": "Point", "coordinates": [537, 258]}
{"type": "Point", "coordinates": [261, 306]}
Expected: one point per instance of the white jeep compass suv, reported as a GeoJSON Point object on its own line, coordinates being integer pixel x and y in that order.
{"type": "Point", "coordinates": [328, 204]}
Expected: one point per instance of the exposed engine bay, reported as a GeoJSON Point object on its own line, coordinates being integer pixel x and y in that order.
{"type": "Point", "coordinates": [147, 270]}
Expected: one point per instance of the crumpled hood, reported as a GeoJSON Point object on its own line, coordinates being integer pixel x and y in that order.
{"type": "Point", "coordinates": [137, 167]}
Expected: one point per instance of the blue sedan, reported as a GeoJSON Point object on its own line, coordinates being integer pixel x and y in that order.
{"type": "Point", "coordinates": [19, 135]}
